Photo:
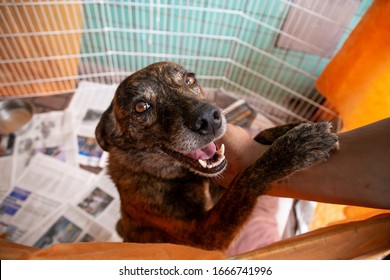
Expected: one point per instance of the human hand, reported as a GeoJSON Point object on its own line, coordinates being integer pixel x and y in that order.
{"type": "Point", "coordinates": [240, 151]}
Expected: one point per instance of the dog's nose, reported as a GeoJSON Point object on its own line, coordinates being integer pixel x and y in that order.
{"type": "Point", "coordinates": [207, 120]}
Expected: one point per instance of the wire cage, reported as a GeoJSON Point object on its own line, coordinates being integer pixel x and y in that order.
{"type": "Point", "coordinates": [267, 52]}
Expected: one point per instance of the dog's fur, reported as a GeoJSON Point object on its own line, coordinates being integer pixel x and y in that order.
{"type": "Point", "coordinates": [156, 128]}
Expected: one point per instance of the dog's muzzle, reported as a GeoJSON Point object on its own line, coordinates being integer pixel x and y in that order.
{"type": "Point", "coordinates": [208, 160]}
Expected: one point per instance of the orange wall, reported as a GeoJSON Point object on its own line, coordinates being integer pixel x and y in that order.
{"type": "Point", "coordinates": [357, 80]}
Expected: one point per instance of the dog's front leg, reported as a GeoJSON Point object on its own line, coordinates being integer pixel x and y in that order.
{"type": "Point", "coordinates": [269, 135]}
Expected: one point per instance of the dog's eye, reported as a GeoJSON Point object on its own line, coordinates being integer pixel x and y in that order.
{"type": "Point", "coordinates": [141, 106]}
{"type": "Point", "coordinates": [190, 79]}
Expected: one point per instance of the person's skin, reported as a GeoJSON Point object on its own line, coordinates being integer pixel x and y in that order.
{"type": "Point", "coordinates": [358, 174]}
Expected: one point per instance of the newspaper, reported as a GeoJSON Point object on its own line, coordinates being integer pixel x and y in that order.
{"type": "Point", "coordinates": [49, 133]}
{"type": "Point", "coordinates": [66, 226]}
{"type": "Point", "coordinates": [88, 104]}
{"type": "Point", "coordinates": [41, 189]}
{"type": "Point", "coordinates": [52, 198]}
{"type": "Point", "coordinates": [45, 197]}
{"type": "Point", "coordinates": [91, 216]}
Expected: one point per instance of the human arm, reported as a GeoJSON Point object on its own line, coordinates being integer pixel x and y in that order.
{"type": "Point", "coordinates": [358, 174]}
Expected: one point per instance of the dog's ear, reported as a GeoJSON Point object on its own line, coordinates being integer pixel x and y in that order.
{"type": "Point", "coordinates": [105, 129]}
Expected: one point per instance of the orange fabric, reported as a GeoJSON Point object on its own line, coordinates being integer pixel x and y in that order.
{"type": "Point", "coordinates": [106, 251]}
{"type": "Point", "coordinates": [326, 243]}
{"type": "Point", "coordinates": [357, 83]}
{"type": "Point", "coordinates": [13, 251]}
{"type": "Point", "coordinates": [357, 80]}
{"type": "Point", "coordinates": [327, 214]}
{"type": "Point", "coordinates": [331, 214]}
{"type": "Point", "coordinates": [367, 239]}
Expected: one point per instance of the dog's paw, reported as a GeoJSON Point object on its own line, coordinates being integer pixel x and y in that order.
{"type": "Point", "coordinates": [306, 145]}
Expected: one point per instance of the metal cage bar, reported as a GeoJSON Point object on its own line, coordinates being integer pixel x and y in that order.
{"type": "Point", "coordinates": [47, 47]}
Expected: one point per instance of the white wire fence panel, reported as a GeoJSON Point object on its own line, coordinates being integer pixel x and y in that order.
{"type": "Point", "coordinates": [259, 50]}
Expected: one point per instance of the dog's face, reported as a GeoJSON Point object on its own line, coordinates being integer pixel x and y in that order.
{"type": "Point", "coordinates": [162, 108]}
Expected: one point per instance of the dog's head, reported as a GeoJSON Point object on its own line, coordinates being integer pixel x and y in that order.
{"type": "Point", "coordinates": [162, 108]}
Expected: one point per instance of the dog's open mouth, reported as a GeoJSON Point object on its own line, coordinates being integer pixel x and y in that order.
{"type": "Point", "coordinates": [209, 160]}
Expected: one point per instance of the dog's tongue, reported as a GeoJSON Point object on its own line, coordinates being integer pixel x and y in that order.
{"type": "Point", "coordinates": [203, 153]}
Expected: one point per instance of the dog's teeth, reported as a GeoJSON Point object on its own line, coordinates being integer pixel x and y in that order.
{"type": "Point", "coordinates": [222, 150]}
{"type": "Point", "coordinates": [213, 164]}
{"type": "Point", "coordinates": [202, 162]}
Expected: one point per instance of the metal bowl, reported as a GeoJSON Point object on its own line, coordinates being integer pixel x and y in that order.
{"type": "Point", "coordinates": [15, 116]}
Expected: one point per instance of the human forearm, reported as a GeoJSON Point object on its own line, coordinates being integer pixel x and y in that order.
{"type": "Point", "coordinates": [358, 174]}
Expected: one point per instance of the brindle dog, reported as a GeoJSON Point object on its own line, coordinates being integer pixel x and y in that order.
{"type": "Point", "coordinates": [160, 133]}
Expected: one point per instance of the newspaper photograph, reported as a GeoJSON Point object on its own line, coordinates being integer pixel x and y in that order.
{"type": "Point", "coordinates": [101, 202]}
{"type": "Point", "coordinates": [88, 104]}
